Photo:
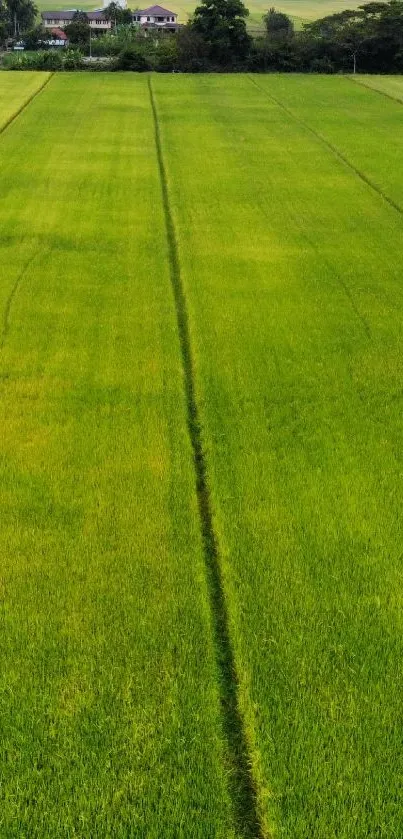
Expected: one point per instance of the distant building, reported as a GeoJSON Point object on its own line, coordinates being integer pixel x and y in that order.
{"type": "Point", "coordinates": [156, 16]}
{"type": "Point", "coordinates": [60, 19]}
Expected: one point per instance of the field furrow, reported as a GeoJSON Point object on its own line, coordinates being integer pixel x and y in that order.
{"type": "Point", "coordinates": [109, 703]}
{"type": "Point", "coordinates": [16, 91]}
{"type": "Point", "coordinates": [291, 267]}
{"type": "Point", "coordinates": [390, 86]}
{"type": "Point", "coordinates": [365, 129]}
{"type": "Point", "coordinates": [240, 779]}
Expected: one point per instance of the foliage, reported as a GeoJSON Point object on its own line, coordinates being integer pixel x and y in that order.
{"type": "Point", "coordinates": [278, 24]}
{"type": "Point", "coordinates": [16, 16]}
{"type": "Point", "coordinates": [166, 57]}
{"type": "Point", "coordinates": [133, 58]}
{"type": "Point", "coordinates": [72, 59]}
{"type": "Point", "coordinates": [373, 33]}
{"type": "Point", "coordinates": [222, 25]}
{"type": "Point", "coordinates": [192, 50]}
{"type": "Point", "coordinates": [369, 38]}
{"type": "Point", "coordinates": [117, 15]}
{"type": "Point", "coordinates": [33, 38]}
{"type": "Point", "coordinates": [121, 38]}
{"type": "Point", "coordinates": [78, 32]}
{"type": "Point", "coordinates": [50, 60]}
{"type": "Point", "coordinates": [80, 16]}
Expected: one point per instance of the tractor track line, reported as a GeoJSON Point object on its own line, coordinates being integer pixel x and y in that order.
{"type": "Point", "coordinates": [360, 83]}
{"type": "Point", "coordinates": [364, 178]}
{"type": "Point", "coordinates": [25, 104]}
{"type": "Point", "coordinates": [242, 787]}
{"type": "Point", "coordinates": [10, 299]}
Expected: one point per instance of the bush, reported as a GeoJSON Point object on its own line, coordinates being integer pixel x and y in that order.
{"type": "Point", "coordinates": [133, 58]}
{"type": "Point", "coordinates": [321, 65]}
{"type": "Point", "coordinates": [41, 60]}
{"type": "Point", "coordinates": [166, 55]}
{"type": "Point", "coordinates": [72, 59]}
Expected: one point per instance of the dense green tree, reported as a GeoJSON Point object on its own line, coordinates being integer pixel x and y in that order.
{"type": "Point", "coordinates": [117, 15]}
{"type": "Point", "coordinates": [33, 38]}
{"type": "Point", "coordinates": [278, 24]}
{"type": "Point", "coordinates": [222, 25]}
{"type": "Point", "coordinates": [78, 31]}
{"type": "Point", "coordinates": [4, 21]}
{"type": "Point", "coordinates": [133, 58]}
{"type": "Point", "coordinates": [192, 50]}
{"type": "Point", "coordinates": [81, 16]}
{"type": "Point", "coordinates": [20, 16]}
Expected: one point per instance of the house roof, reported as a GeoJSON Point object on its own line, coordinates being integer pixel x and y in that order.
{"type": "Point", "coordinates": [69, 14]}
{"type": "Point", "coordinates": [159, 11]}
{"type": "Point", "coordinates": [59, 15]}
{"type": "Point", "coordinates": [59, 34]}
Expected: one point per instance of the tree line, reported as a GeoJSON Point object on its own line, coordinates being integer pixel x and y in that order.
{"type": "Point", "coordinates": [368, 39]}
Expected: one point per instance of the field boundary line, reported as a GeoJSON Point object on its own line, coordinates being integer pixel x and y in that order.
{"type": "Point", "coordinates": [363, 177]}
{"type": "Point", "coordinates": [10, 299]}
{"type": "Point", "coordinates": [242, 786]}
{"type": "Point", "coordinates": [374, 89]}
{"type": "Point", "coordinates": [9, 121]}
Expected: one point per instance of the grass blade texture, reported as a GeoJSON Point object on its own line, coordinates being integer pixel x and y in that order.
{"type": "Point", "coordinates": [292, 269]}
{"type": "Point", "coordinates": [388, 85]}
{"type": "Point", "coordinates": [16, 89]}
{"type": "Point", "coordinates": [365, 128]}
{"type": "Point", "coordinates": [110, 718]}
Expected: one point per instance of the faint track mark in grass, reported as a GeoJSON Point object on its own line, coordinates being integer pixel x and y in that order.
{"type": "Point", "coordinates": [243, 790]}
{"type": "Point", "coordinates": [375, 90]}
{"type": "Point", "coordinates": [342, 283]}
{"type": "Point", "coordinates": [332, 148]}
{"type": "Point", "coordinates": [10, 300]}
{"type": "Point", "coordinates": [25, 104]}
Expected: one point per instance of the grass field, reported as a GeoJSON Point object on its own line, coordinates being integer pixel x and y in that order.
{"type": "Point", "coordinates": [110, 724]}
{"type": "Point", "coordinates": [15, 91]}
{"type": "Point", "coordinates": [389, 85]}
{"type": "Point", "coordinates": [292, 267]}
{"type": "Point", "coordinates": [213, 263]}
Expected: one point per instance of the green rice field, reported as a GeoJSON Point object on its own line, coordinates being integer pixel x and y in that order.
{"type": "Point", "coordinates": [201, 361]}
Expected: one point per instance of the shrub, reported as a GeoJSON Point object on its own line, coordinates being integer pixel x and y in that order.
{"type": "Point", "coordinates": [133, 58]}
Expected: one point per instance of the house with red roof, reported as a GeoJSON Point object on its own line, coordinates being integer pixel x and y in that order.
{"type": "Point", "coordinates": [59, 38]}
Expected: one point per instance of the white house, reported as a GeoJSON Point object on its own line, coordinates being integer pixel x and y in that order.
{"type": "Point", "coordinates": [155, 16]}
{"type": "Point", "coordinates": [152, 18]}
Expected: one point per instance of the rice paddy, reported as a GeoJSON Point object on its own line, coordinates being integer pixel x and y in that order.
{"type": "Point", "coordinates": [16, 91]}
{"type": "Point", "coordinates": [200, 403]}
